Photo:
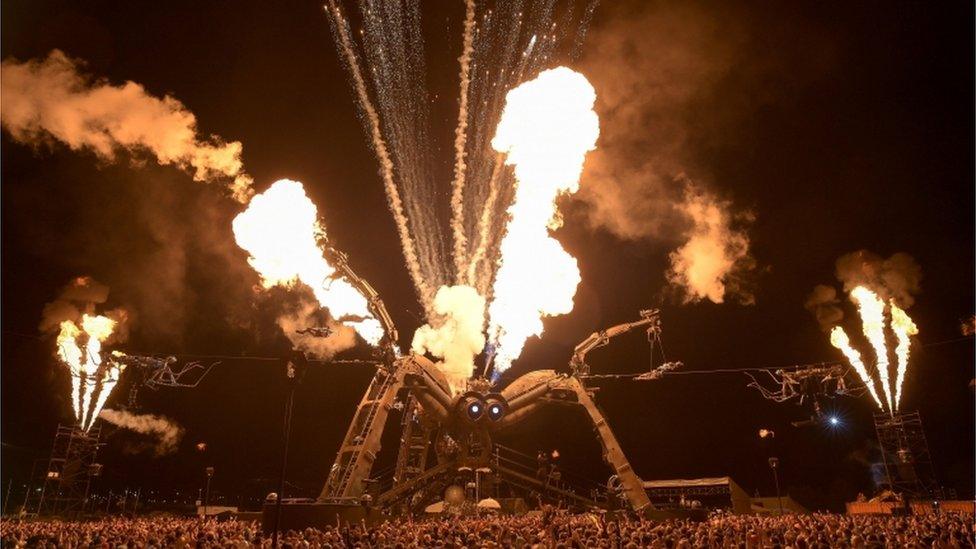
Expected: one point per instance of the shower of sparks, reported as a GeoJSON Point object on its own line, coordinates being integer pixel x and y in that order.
{"type": "Point", "coordinates": [502, 44]}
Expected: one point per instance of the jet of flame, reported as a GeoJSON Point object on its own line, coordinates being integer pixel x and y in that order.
{"type": "Point", "coordinates": [904, 328]}
{"type": "Point", "coordinates": [546, 129]}
{"type": "Point", "coordinates": [839, 339]}
{"type": "Point", "coordinates": [90, 378]}
{"type": "Point", "coordinates": [871, 309]}
{"type": "Point", "coordinates": [280, 231]}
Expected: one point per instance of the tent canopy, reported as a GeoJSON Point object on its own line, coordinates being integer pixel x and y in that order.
{"type": "Point", "coordinates": [489, 503]}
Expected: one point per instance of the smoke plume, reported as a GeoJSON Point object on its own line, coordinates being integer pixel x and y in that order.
{"type": "Point", "coordinates": [166, 433]}
{"type": "Point", "coordinates": [898, 277]}
{"type": "Point", "coordinates": [678, 84]}
{"type": "Point", "coordinates": [710, 265]}
{"type": "Point", "coordinates": [79, 297]}
{"type": "Point", "coordinates": [457, 337]}
{"type": "Point", "coordinates": [50, 99]}
{"type": "Point", "coordinates": [654, 69]}
{"type": "Point", "coordinates": [309, 314]}
{"type": "Point", "coordinates": [824, 304]}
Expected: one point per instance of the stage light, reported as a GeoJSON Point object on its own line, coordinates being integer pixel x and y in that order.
{"type": "Point", "coordinates": [834, 421]}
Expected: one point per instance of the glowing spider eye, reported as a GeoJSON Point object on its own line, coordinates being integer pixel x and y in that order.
{"type": "Point", "coordinates": [474, 409]}
{"type": "Point", "coordinates": [496, 410]}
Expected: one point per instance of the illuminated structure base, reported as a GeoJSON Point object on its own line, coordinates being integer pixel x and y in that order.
{"type": "Point", "coordinates": [447, 456]}
{"type": "Point", "coordinates": [905, 452]}
{"type": "Point", "coordinates": [446, 439]}
{"type": "Point", "coordinates": [69, 472]}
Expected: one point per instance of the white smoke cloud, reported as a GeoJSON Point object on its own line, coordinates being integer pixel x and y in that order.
{"type": "Point", "coordinates": [710, 264]}
{"type": "Point", "coordinates": [458, 336]}
{"type": "Point", "coordinates": [45, 99]}
{"type": "Point", "coordinates": [167, 433]}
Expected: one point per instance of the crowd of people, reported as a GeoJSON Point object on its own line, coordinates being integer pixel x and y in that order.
{"type": "Point", "coordinates": [549, 530]}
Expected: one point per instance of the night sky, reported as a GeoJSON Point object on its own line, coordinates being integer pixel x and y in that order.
{"type": "Point", "coordinates": [835, 127]}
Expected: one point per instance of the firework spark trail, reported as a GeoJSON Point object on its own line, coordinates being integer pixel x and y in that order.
{"type": "Point", "coordinates": [484, 230]}
{"type": "Point", "coordinates": [491, 225]}
{"type": "Point", "coordinates": [485, 166]}
{"type": "Point", "coordinates": [280, 231]}
{"type": "Point", "coordinates": [546, 130]}
{"type": "Point", "coordinates": [393, 50]}
{"type": "Point", "coordinates": [460, 140]}
{"type": "Point", "coordinates": [839, 339]}
{"type": "Point", "coordinates": [871, 309]}
{"type": "Point", "coordinates": [583, 27]}
{"type": "Point", "coordinates": [508, 56]}
{"type": "Point", "coordinates": [904, 328]}
{"type": "Point", "coordinates": [501, 46]}
{"type": "Point", "coordinates": [340, 28]}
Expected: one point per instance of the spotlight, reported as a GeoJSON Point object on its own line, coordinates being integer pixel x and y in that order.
{"type": "Point", "coordinates": [834, 421]}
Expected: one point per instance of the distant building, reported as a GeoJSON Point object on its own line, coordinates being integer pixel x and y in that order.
{"type": "Point", "coordinates": [713, 493]}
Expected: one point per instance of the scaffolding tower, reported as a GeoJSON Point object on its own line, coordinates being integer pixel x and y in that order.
{"type": "Point", "coordinates": [70, 469]}
{"type": "Point", "coordinates": [905, 453]}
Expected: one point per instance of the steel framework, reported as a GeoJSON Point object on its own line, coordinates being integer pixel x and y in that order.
{"type": "Point", "coordinates": [456, 430]}
{"type": "Point", "coordinates": [69, 471]}
{"type": "Point", "coordinates": [905, 453]}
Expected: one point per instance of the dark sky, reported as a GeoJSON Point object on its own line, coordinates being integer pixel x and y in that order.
{"type": "Point", "coordinates": [839, 126]}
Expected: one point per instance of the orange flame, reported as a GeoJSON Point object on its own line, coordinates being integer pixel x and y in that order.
{"type": "Point", "coordinates": [546, 129]}
{"type": "Point", "coordinates": [871, 309]}
{"type": "Point", "coordinates": [904, 328]}
{"type": "Point", "coordinates": [839, 339]}
{"type": "Point", "coordinates": [89, 379]}
{"type": "Point", "coordinates": [280, 231]}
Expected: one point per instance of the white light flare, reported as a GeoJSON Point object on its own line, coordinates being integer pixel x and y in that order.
{"type": "Point", "coordinates": [839, 339]}
{"type": "Point", "coordinates": [904, 328]}
{"type": "Point", "coordinates": [280, 231]}
{"type": "Point", "coordinates": [546, 129]}
{"type": "Point", "coordinates": [871, 309]}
